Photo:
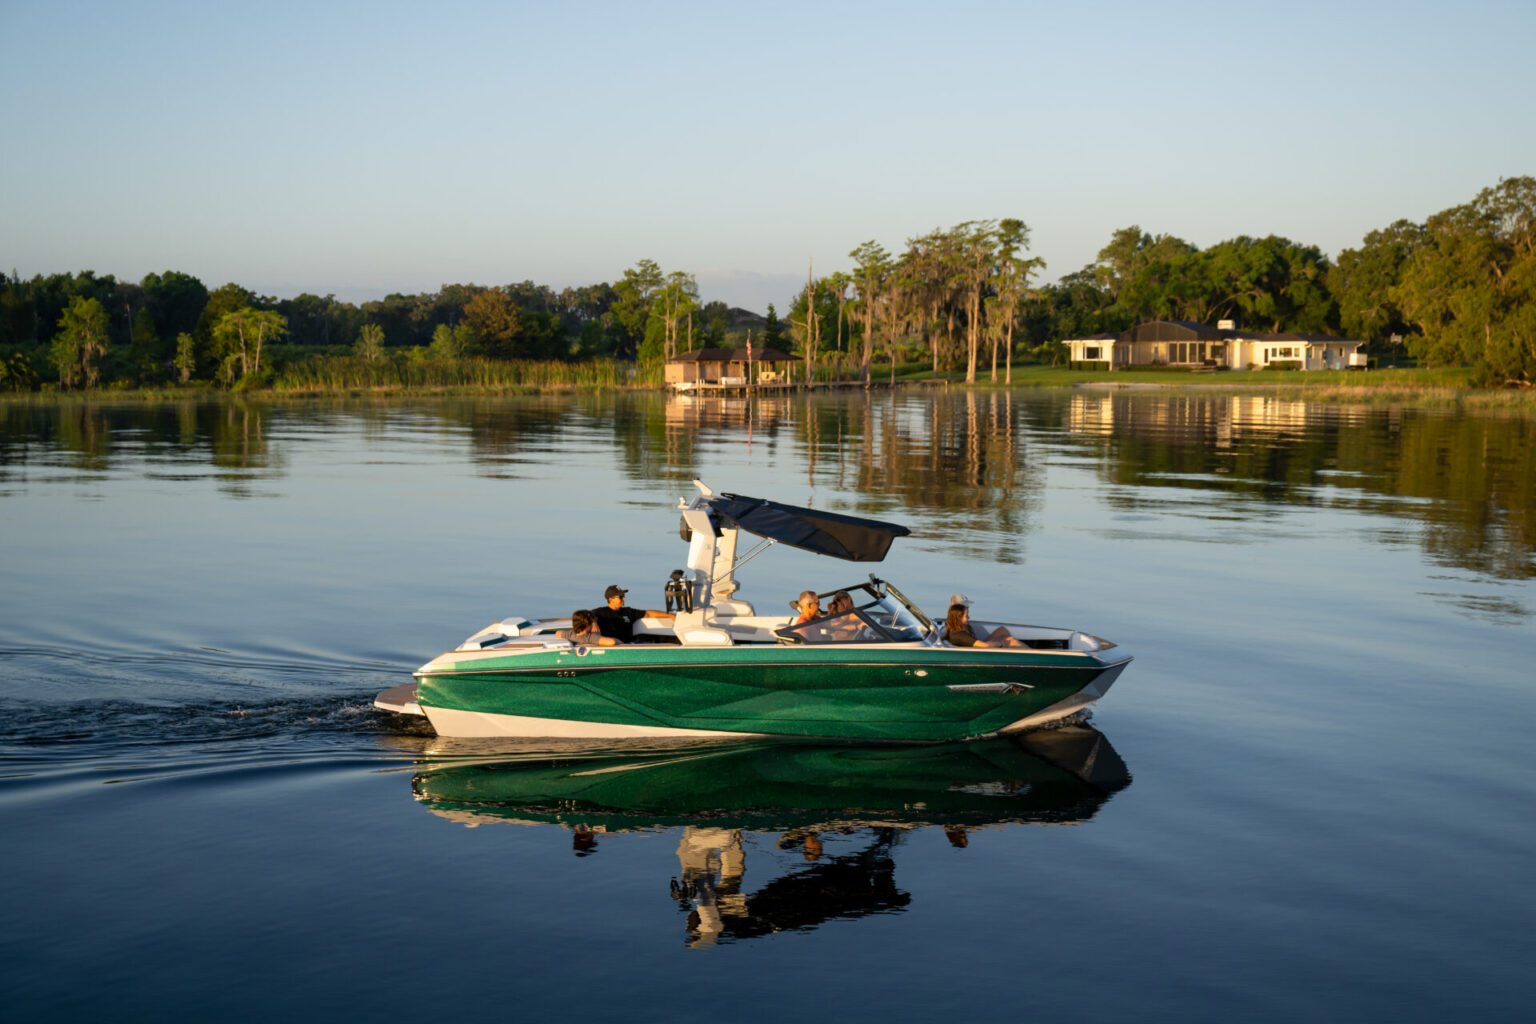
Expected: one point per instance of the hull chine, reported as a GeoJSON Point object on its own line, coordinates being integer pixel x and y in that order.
{"type": "Point", "coordinates": [1071, 705]}
{"type": "Point", "coordinates": [485, 724]}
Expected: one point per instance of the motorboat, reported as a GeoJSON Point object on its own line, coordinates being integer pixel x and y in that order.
{"type": "Point", "coordinates": [722, 669]}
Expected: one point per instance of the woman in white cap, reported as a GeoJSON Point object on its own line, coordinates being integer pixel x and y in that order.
{"type": "Point", "coordinates": [957, 628]}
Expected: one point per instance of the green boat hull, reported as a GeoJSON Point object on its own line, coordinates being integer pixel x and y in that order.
{"type": "Point", "coordinates": [912, 694]}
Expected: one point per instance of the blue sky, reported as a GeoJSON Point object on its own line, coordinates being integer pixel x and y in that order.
{"type": "Point", "coordinates": [366, 148]}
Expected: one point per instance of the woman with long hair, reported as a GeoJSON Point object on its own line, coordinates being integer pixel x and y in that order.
{"type": "Point", "coordinates": [957, 630]}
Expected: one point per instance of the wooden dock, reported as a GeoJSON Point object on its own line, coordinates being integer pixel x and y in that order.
{"type": "Point", "coordinates": [781, 387]}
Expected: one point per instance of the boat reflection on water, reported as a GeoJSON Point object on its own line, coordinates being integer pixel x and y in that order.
{"type": "Point", "coordinates": [831, 817]}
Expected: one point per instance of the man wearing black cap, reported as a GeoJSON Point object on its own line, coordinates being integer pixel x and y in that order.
{"type": "Point", "coordinates": [617, 620]}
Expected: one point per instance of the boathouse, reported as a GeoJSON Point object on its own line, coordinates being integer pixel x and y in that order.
{"type": "Point", "coordinates": [726, 368]}
{"type": "Point", "coordinates": [1184, 343]}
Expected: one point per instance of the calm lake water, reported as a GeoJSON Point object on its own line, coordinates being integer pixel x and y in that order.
{"type": "Point", "coordinates": [1309, 798]}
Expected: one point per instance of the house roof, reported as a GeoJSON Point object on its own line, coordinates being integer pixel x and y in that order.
{"type": "Point", "coordinates": [1173, 330]}
{"type": "Point", "coordinates": [1319, 338]}
{"type": "Point", "coordinates": [1189, 330]}
{"type": "Point", "coordinates": [732, 355]}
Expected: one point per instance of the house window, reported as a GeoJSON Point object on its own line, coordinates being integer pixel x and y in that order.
{"type": "Point", "coordinates": [1091, 352]}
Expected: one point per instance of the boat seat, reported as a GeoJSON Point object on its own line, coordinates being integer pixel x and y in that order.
{"type": "Point", "coordinates": [753, 629]}
{"type": "Point", "coordinates": [704, 636]}
{"type": "Point", "coordinates": [699, 628]}
{"type": "Point", "coordinates": [733, 609]}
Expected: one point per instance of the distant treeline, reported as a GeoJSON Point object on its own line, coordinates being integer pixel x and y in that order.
{"type": "Point", "coordinates": [90, 330]}
{"type": "Point", "coordinates": [1458, 289]}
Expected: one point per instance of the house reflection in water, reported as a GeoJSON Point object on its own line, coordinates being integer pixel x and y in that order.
{"type": "Point", "coordinates": [1218, 421]}
{"type": "Point", "coordinates": [823, 823]}
{"type": "Point", "coordinates": [1470, 479]}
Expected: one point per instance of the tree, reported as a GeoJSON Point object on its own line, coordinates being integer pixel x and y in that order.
{"type": "Point", "coordinates": [1156, 282]}
{"type": "Point", "coordinates": [676, 299]}
{"type": "Point", "coordinates": [80, 341]}
{"type": "Point", "coordinates": [995, 328]}
{"type": "Point", "coordinates": [496, 322]}
{"type": "Point", "coordinates": [805, 322]}
{"type": "Point", "coordinates": [64, 354]}
{"type": "Point", "coordinates": [930, 272]}
{"type": "Point", "coordinates": [812, 315]}
{"type": "Point", "coordinates": [1362, 281]}
{"type": "Point", "coordinates": [325, 320]}
{"type": "Point", "coordinates": [451, 343]}
{"type": "Point", "coordinates": [239, 336]}
{"type": "Point", "coordinates": [1471, 287]}
{"type": "Point", "coordinates": [714, 320]}
{"type": "Point", "coordinates": [893, 308]}
{"type": "Point", "coordinates": [1073, 307]}
{"type": "Point", "coordinates": [978, 248]}
{"type": "Point", "coordinates": [18, 320]}
{"type": "Point", "coordinates": [634, 295]}
{"type": "Point", "coordinates": [186, 356]}
{"type": "Point", "coordinates": [175, 300]}
{"type": "Point", "coordinates": [405, 318]}
{"type": "Point", "coordinates": [16, 373]}
{"type": "Point", "coordinates": [838, 284]}
{"type": "Point", "coordinates": [143, 342]}
{"type": "Point", "coordinates": [773, 329]}
{"type": "Point", "coordinates": [223, 300]}
{"type": "Point", "coordinates": [370, 343]}
{"type": "Point", "coordinates": [1270, 281]}
{"type": "Point", "coordinates": [871, 266]}
{"type": "Point", "coordinates": [1118, 260]}
{"type": "Point", "coordinates": [1013, 273]}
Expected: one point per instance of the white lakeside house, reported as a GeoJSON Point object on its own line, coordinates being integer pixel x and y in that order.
{"type": "Point", "coordinates": [1197, 346]}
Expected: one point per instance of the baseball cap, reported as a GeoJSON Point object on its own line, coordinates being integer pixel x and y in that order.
{"type": "Point", "coordinates": [614, 591]}
{"type": "Point", "coordinates": [960, 599]}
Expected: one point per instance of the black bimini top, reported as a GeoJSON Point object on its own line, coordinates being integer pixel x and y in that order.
{"type": "Point", "coordinates": [809, 529]}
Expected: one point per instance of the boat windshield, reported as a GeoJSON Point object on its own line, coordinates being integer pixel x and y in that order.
{"type": "Point", "coordinates": [882, 621]}
{"type": "Point", "coordinates": [893, 616]}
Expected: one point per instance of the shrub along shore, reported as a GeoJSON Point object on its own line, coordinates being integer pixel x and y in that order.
{"type": "Point", "coordinates": [348, 377]}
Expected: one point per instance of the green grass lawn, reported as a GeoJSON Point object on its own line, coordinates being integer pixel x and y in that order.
{"type": "Point", "coordinates": [1447, 387]}
{"type": "Point", "coordinates": [1392, 379]}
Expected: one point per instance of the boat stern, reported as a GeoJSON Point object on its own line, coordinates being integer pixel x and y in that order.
{"type": "Point", "coordinates": [400, 700]}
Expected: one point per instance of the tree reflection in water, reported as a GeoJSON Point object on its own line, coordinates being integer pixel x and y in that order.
{"type": "Point", "coordinates": [966, 465]}
{"type": "Point", "coordinates": [163, 440]}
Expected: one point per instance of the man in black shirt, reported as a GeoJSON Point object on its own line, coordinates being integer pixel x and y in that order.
{"type": "Point", "coordinates": [618, 620]}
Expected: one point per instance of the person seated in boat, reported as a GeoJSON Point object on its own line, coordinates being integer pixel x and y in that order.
{"type": "Point", "coordinates": [843, 624]}
{"type": "Point", "coordinates": [584, 631]}
{"type": "Point", "coordinates": [957, 629]}
{"type": "Point", "coordinates": [809, 606]}
{"type": "Point", "coordinates": [616, 620]}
